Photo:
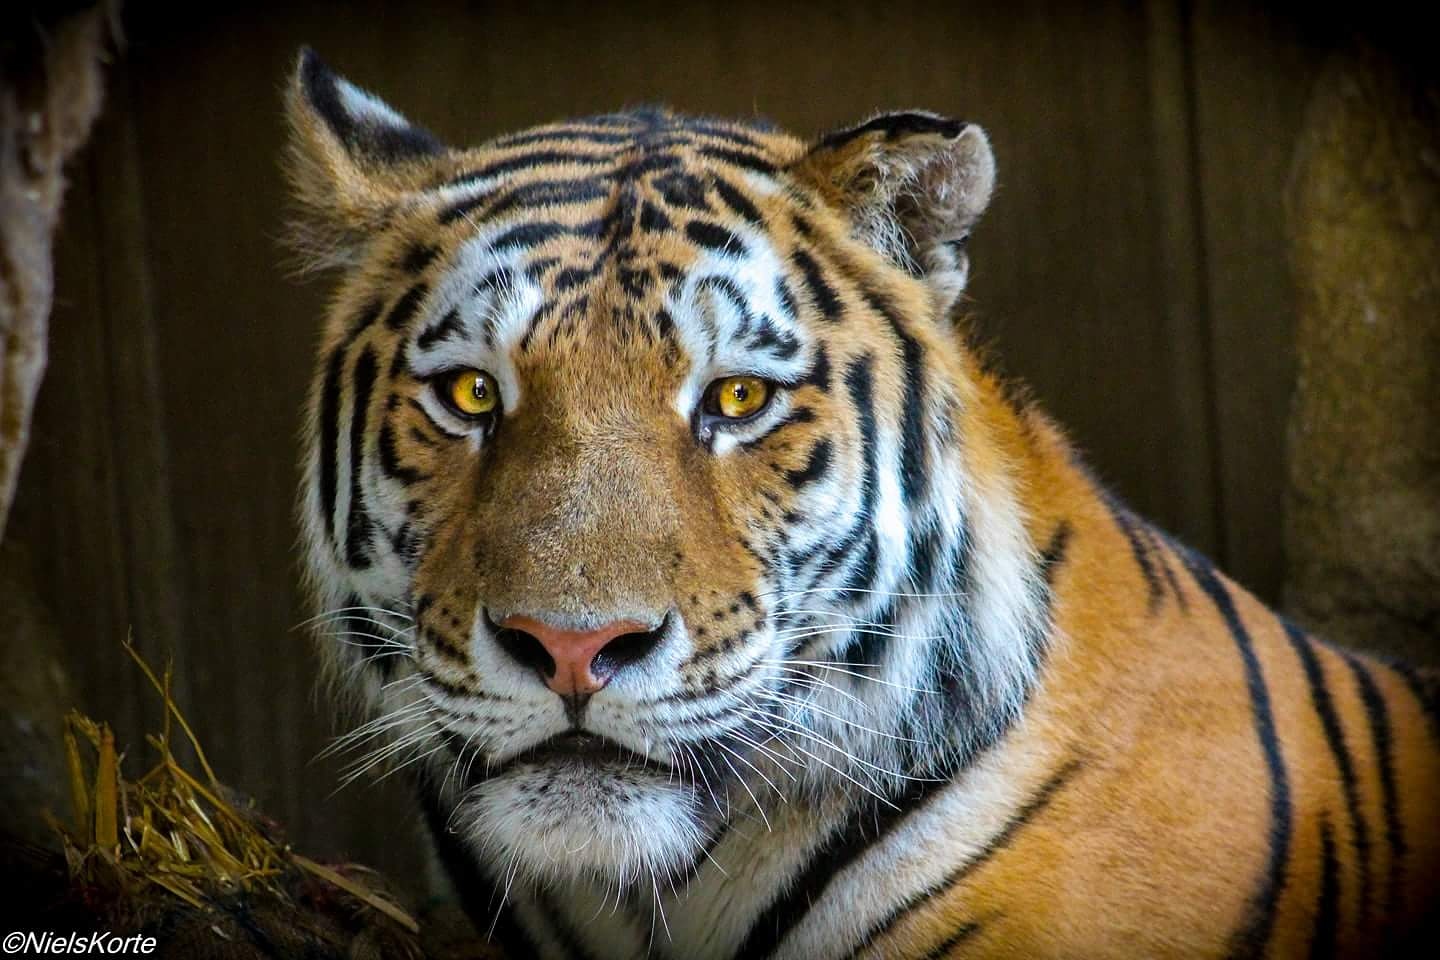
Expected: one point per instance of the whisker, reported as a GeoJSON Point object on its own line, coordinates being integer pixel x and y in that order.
{"type": "Point", "coordinates": [811, 735]}
{"type": "Point", "coordinates": [879, 593]}
{"type": "Point", "coordinates": [835, 668]}
{"type": "Point", "coordinates": [779, 760]}
{"type": "Point", "coordinates": [745, 786]}
{"type": "Point", "coordinates": [340, 611]}
{"type": "Point", "coordinates": [825, 763]}
{"type": "Point", "coordinates": [798, 676]}
{"type": "Point", "coordinates": [379, 640]}
{"type": "Point", "coordinates": [808, 705]}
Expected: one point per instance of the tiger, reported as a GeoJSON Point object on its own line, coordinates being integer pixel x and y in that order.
{"type": "Point", "coordinates": [672, 534]}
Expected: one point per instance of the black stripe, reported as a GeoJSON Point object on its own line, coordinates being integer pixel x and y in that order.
{"type": "Point", "coordinates": [461, 209]}
{"type": "Point", "coordinates": [330, 437]}
{"type": "Point", "coordinates": [571, 277]}
{"type": "Point", "coordinates": [363, 321]}
{"type": "Point", "coordinates": [576, 133]}
{"type": "Point", "coordinates": [924, 551]}
{"type": "Point", "coordinates": [682, 190]}
{"type": "Point", "coordinates": [528, 235]}
{"type": "Point", "coordinates": [652, 218]}
{"type": "Point", "coordinates": [1327, 908]}
{"type": "Point", "coordinates": [1381, 739]}
{"type": "Point", "coordinates": [857, 586]}
{"type": "Point", "coordinates": [1251, 939]}
{"type": "Point", "coordinates": [535, 158]}
{"type": "Point", "coordinates": [405, 307]}
{"type": "Point", "coordinates": [867, 828]}
{"type": "Point", "coordinates": [417, 257]}
{"type": "Point", "coordinates": [1425, 686]}
{"type": "Point", "coordinates": [482, 898]}
{"type": "Point", "coordinates": [1335, 738]}
{"type": "Point", "coordinates": [330, 410]}
{"type": "Point", "coordinates": [714, 237]}
{"type": "Point", "coordinates": [739, 158]}
{"type": "Point", "coordinates": [406, 544]}
{"type": "Point", "coordinates": [913, 471]}
{"type": "Point", "coordinates": [818, 376]}
{"type": "Point", "coordinates": [896, 125]}
{"type": "Point", "coordinates": [962, 933]}
{"type": "Point", "coordinates": [655, 159]}
{"type": "Point", "coordinates": [821, 292]}
{"type": "Point", "coordinates": [390, 459]}
{"type": "Point", "coordinates": [914, 458]}
{"type": "Point", "coordinates": [816, 465]}
{"type": "Point", "coordinates": [1002, 839]}
{"type": "Point", "coordinates": [771, 339]}
{"type": "Point", "coordinates": [722, 130]}
{"type": "Point", "coordinates": [738, 202]}
{"type": "Point", "coordinates": [448, 326]}
{"type": "Point", "coordinates": [727, 289]}
{"type": "Point", "coordinates": [357, 529]}
{"type": "Point", "coordinates": [1158, 543]}
{"type": "Point", "coordinates": [858, 383]}
{"type": "Point", "coordinates": [1054, 554]}
{"type": "Point", "coordinates": [548, 193]}
{"type": "Point", "coordinates": [785, 298]}
{"type": "Point", "coordinates": [1135, 531]}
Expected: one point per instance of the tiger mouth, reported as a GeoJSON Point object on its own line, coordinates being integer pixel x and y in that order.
{"type": "Point", "coordinates": [576, 747]}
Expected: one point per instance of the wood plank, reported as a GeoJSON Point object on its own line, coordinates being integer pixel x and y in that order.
{"type": "Point", "coordinates": [1252, 72]}
{"type": "Point", "coordinates": [1179, 234]}
{"type": "Point", "coordinates": [153, 576]}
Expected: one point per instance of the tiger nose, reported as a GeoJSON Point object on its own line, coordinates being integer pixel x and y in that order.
{"type": "Point", "coordinates": [576, 662]}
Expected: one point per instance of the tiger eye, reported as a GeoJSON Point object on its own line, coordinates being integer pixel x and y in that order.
{"type": "Point", "coordinates": [738, 397]}
{"type": "Point", "coordinates": [472, 393]}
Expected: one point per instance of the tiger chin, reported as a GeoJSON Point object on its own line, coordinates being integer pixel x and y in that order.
{"type": "Point", "coordinates": [718, 600]}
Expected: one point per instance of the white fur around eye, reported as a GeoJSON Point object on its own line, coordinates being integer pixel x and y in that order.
{"type": "Point", "coordinates": [724, 435]}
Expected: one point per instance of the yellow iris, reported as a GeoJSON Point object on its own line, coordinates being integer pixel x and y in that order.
{"type": "Point", "coordinates": [738, 397]}
{"type": "Point", "coordinates": [473, 393]}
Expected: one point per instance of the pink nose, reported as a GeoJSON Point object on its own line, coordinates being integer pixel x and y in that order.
{"type": "Point", "coordinates": [581, 661]}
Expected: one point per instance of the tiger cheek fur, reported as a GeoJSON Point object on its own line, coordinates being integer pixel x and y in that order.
{"type": "Point", "coordinates": [720, 603]}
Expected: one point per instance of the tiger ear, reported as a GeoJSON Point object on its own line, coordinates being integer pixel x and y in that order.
{"type": "Point", "coordinates": [351, 157]}
{"type": "Point", "coordinates": [913, 185]}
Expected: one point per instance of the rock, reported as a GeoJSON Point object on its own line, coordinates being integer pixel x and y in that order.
{"type": "Point", "coordinates": [1362, 528]}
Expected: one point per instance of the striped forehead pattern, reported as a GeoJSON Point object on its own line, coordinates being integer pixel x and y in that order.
{"type": "Point", "coordinates": [610, 225]}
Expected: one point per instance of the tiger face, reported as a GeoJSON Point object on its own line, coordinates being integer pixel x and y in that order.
{"type": "Point", "coordinates": [629, 437]}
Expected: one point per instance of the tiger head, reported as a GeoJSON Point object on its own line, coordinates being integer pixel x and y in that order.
{"type": "Point", "coordinates": [636, 484]}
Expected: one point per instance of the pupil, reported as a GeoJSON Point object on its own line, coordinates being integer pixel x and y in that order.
{"type": "Point", "coordinates": [478, 389]}
{"type": "Point", "coordinates": [740, 392]}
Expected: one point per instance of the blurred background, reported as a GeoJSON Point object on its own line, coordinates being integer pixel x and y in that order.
{"type": "Point", "coordinates": [1211, 255]}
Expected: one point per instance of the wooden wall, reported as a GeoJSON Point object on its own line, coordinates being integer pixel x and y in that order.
{"type": "Point", "coordinates": [1132, 270]}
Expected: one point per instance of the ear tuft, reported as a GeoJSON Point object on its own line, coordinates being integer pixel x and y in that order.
{"type": "Point", "coordinates": [351, 158]}
{"type": "Point", "coordinates": [914, 185]}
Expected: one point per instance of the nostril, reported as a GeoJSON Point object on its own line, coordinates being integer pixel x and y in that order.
{"type": "Point", "coordinates": [626, 649]}
{"type": "Point", "coordinates": [574, 661]}
{"type": "Point", "coordinates": [525, 648]}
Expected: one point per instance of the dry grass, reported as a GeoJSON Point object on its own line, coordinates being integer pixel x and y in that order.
{"type": "Point", "coordinates": [174, 835]}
